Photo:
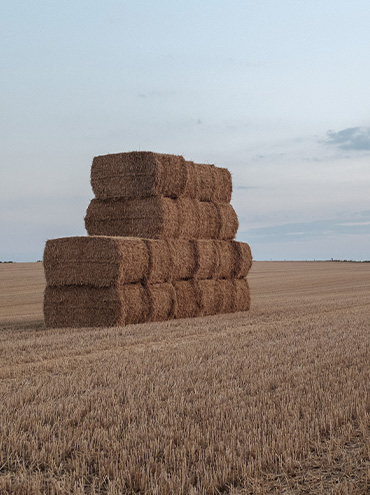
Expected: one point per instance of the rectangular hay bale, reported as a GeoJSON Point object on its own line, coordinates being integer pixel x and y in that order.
{"type": "Point", "coordinates": [162, 218]}
{"type": "Point", "coordinates": [142, 174]}
{"type": "Point", "coordinates": [86, 306]}
{"type": "Point", "coordinates": [102, 261]}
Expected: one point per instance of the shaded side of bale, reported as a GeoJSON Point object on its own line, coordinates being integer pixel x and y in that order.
{"type": "Point", "coordinates": [125, 175]}
{"type": "Point", "coordinates": [225, 296]}
{"type": "Point", "coordinates": [235, 259]}
{"type": "Point", "coordinates": [209, 221]}
{"type": "Point", "coordinates": [206, 178]}
{"type": "Point", "coordinates": [242, 259]}
{"type": "Point", "coordinates": [207, 256]}
{"type": "Point", "coordinates": [82, 307]}
{"type": "Point", "coordinates": [217, 221]}
{"type": "Point", "coordinates": [226, 257]}
{"type": "Point", "coordinates": [242, 295]}
{"type": "Point", "coordinates": [223, 186]}
{"type": "Point", "coordinates": [192, 186]}
{"type": "Point", "coordinates": [208, 183]}
{"type": "Point", "coordinates": [188, 299]}
{"type": "Point", "coordinates": [137, 305]}
{"type": "Point", "coordinates": [228, 221]}
{"type": "Point", "coordinates": [208, 296]}
{"type": "Point", "coordinates": [162, 301]}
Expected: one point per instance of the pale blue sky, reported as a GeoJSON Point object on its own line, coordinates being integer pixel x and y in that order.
{"type": "Point", "coordinates": [277, 91]}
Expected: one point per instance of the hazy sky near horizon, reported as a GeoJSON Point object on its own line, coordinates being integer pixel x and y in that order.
{"type": "Point", "coordinates": [277, 91]}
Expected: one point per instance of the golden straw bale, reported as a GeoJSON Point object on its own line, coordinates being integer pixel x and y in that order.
{"type": "Point", "coordinates": [102, 261]}
{"type": "Point", "coordinates": [226, 295]}
{"type": "Point", "coordinates": [162, 300]}
{"type": "Point", "coordinates": [209, 221]}
{"type": "Point", "coordinates": [143, 174]}
{"type": "Point", "coordinates": [208, 256]}
{"type": "Point", "coordinates": [228, 221]}
{"type": "Point", "coordinates": [222, 185]}
{"type": "Point", "coordinates": [188, 299]}
{"type": "Point", "coordinates": [242, 295]}
{"type": "Point", "coordinates": [235, 259]}
{"type": "Point", "coordinates": [95, 260]}
{"type": "Point", "coordinates": [124, 304]}
{"type": "Point", "coordinates": [136, 302]}
{"type": "Point", "coordinates": [209, 300]}
{"type": "Point", "coordinates": [188, 214]}
{"type": "Point", "coordinates": [162, 218]}
{"type": "Point", "coordinates": [184, 258]}
{"type": "Point", "coordinates": [160, 267]}
{"type": "Point", "coordinates": [227, 256]}
{"type": "Point", "coordinates": [82, 306]}
{"type": "Point", "coordinates": [192, 186]}
{"type": "Point", "coordinates": [206, 177]}
{"type": "Point", "coordinates": [223, 296]}
{"type": "Point", "coordinates": [243, 259]}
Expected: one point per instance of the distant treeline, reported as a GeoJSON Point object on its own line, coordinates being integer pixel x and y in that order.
{"type": "Point", "coordinates": [38, 261]}
{"type": "Point", "coordinates": [349, 261]}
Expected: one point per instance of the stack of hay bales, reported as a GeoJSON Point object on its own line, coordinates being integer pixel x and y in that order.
{"type": "Point", "coordinates": [160, 246]}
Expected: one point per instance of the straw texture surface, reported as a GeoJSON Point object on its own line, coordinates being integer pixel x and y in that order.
{"type": "Point", "coordinates": [162, 218]}
{"type": "Point", "coordinates": [84, 306]}
{"type": "Point", "coordinates": [101, 261]}
{"type": "Point", "coordinates": [141, 174]}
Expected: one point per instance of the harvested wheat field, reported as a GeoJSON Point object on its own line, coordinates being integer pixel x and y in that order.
{"type": "Point", "coordinates": [274, 400]}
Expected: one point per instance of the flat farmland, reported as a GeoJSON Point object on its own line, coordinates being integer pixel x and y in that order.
{"type": "Point", "coordinates": [275, 400]}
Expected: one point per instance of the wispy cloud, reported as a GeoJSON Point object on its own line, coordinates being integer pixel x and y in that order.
{"type": "Point", "coordinates": [319, 229]}
{"type": "Point", "coordinates": [155, 93]}
{"type": "Point", "coordinates": [246, 188]}
{"type": "Point", "coordinates": [350, 139]}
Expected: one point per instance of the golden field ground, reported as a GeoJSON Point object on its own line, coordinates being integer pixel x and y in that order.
{"type": "Point", "coordinates": [275, 400]}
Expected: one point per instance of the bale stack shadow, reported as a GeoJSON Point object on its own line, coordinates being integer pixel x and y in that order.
{"type": "Point", "coordinates": [160, 246]}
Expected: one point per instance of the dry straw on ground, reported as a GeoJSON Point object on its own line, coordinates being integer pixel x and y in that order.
{"type": "Point", "coordinates": [270, 402]}
{"type": "Point", "coordinates": [138, 174]}
{"type": "Point", "coordinates": [162, 218]}
{"type": "Point", "coordinates": [84, 306]}
{"type": "Point", "coordinates": [102, 261]}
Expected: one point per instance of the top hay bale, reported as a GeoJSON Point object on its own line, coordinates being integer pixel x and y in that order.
{"type": "Point", "coordinates": [143, 174]}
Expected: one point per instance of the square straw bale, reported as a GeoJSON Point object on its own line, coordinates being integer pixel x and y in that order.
{"type": "Point", "coordinates": [124, 304]}
{"type": "Point", "coordinates": [85, 306]}
{"type": "Point", "coordinates": [188, 299]}
{"type": "Point", "coordinates": [224, 296]}
{"type": "Point", "coordinates": [102, 261]}
{"type": "Point", "coordinates": [184, 258]}
{"type": "Point", "coordinates": [82, 306]}
{"type": "Point", "coordinates": [98, 261]}
{"type": "Point", "coordinates": [162, 300]}
{"type": "Point", "coordinates": [235, 259]}
{"type": "Point", "coordinates": [208, 258]}
{"type": "Point", "coordinates": [162, 218]}
{"type": "Point", "coordinates": [144, 174]}
{"type": "Point", "coordinates": [160, 267]}
{"type": "Point", "coordinates": [242, 295]}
